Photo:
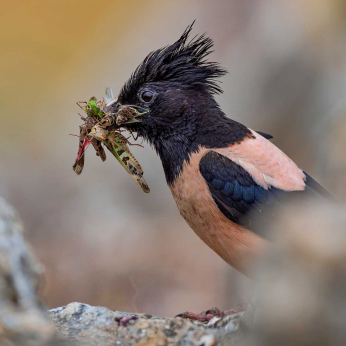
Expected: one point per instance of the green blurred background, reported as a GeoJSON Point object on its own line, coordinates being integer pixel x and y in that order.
{"type": "Point", "coordinates": [101, 239]}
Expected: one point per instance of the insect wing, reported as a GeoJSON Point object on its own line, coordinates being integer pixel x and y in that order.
{"type": "Point", "coordinates": [109, 96]}
{"type": "Point", "coordinates": [122, 153]}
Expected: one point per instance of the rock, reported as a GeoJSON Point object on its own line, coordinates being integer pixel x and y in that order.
{"type": "Point", "coordinates": [300, 297]}
{"type": "Point", "coordinates": [88, 325]}
{"type": "Point", "coordinates": [25, 321]}
{"type": "Point", "coordinates": [23, 317]}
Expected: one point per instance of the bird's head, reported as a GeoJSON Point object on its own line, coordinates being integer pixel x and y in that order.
{"type": "Point", "coordinates": [173, 84]}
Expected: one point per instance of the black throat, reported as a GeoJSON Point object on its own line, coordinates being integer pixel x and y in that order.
{"type": "Point", "coordinates": [202, 124]}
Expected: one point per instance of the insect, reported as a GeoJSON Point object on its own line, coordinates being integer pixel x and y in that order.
{"type": "Point", "coordinates": [123, 114]}
{"type": "Point", "coordinates": [101, 115]}
{"type": "Point", "coordinates": [117, 144]}
{"type": "Point", "coordinates": [92, 109]}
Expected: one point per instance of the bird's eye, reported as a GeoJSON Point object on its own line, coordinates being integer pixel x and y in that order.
{"type": "Point", "coordinates": [147, 96]}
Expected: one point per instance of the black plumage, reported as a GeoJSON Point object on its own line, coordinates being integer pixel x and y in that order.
{"type": "Point", "coordinates": [183, 116]}
{"type": "Point", "coordinates": [186, 126]}
{"type": "Point", "coordinates": [181, 64]}
{"type": "Point", "coordinates": [265, 135]}
{"type": "Point", "coordinates": [242, 200]}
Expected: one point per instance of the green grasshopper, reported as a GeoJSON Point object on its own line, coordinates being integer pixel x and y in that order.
{"type": "Point", "coordinates": [116, 143]}
{"type": "Point", "coordinates": [94, 131]}
{"type": "Point", "coordinates": [93, 109]}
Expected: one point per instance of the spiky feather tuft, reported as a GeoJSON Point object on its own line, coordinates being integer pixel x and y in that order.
{"type": "Point", "coordinates": [181, 63]}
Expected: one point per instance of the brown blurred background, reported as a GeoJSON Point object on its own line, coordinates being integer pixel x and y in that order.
{"type": "Point", "coordinates": [102, 240]}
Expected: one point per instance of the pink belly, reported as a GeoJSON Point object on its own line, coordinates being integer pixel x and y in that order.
{"type": "Point", "coordinates": [235, 244]}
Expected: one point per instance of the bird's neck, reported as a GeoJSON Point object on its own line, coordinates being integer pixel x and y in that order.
{"type": "Point", "coordinates": [204, 125]}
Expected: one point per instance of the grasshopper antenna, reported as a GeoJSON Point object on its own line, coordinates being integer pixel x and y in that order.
{"type": "Point", "coordinates": [83, 118]}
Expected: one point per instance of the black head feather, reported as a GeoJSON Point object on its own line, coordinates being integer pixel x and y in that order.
{"type": "Point", "coordinates": [181, 63]}
{"type": "Point", "coordinates": [183, 114]}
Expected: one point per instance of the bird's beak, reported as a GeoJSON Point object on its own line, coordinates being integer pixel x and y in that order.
{"type": "Point", "coordinates": [129, 113]}
{"type": "Point", "coordinates": [136, 112]}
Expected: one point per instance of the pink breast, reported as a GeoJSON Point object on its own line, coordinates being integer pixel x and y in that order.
{"type": "Point", "coordinates": [237, 245]}
{"type": "Point", "coordinates": [266, 163]}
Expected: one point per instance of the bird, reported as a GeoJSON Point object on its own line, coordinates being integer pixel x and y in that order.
{"type": "Point", "coordinates": [226, 179]}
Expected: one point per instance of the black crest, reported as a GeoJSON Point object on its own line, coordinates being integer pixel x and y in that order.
{"type": "Point", "coordinates": [181, 63]}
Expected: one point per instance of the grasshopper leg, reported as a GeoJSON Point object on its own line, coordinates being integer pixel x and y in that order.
{"type": "Point", "coordinates": [79, 163]}
{"type": "Point", "coordinates": [98, 148]}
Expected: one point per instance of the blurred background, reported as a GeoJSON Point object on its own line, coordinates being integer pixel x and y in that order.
{"type": "Point", "coordinates": [101, 239]}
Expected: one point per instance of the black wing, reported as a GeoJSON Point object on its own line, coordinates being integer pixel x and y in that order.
{"type": "Point", "coordinates": [265, 135]}
{"type": "Point", "coordinates": [242, 200]}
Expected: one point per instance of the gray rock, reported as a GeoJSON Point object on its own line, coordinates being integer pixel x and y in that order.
{"type": "Point", "coordinates": [23, 317]}
{"type": "Point", "coordinates": [82, 324]}
{"type": "Point", "coordinates": [300, 295]}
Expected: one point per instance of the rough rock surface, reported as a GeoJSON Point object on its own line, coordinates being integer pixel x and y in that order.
{"type": "Point", "coordinates": [25, 321]}
{"type": "Point", "coordinates": [23, 318]}
{"type": "Point", "coordinates": [82, 324]}
{"type": "Point", "coordinates": [300, 296]}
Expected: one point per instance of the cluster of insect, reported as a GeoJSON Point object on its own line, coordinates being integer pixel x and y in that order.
{"type": "Point", "coordinates": [102, 126]}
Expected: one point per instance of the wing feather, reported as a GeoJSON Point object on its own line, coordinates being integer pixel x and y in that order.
{"type": "Point", "coordinates": [241, 199]}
